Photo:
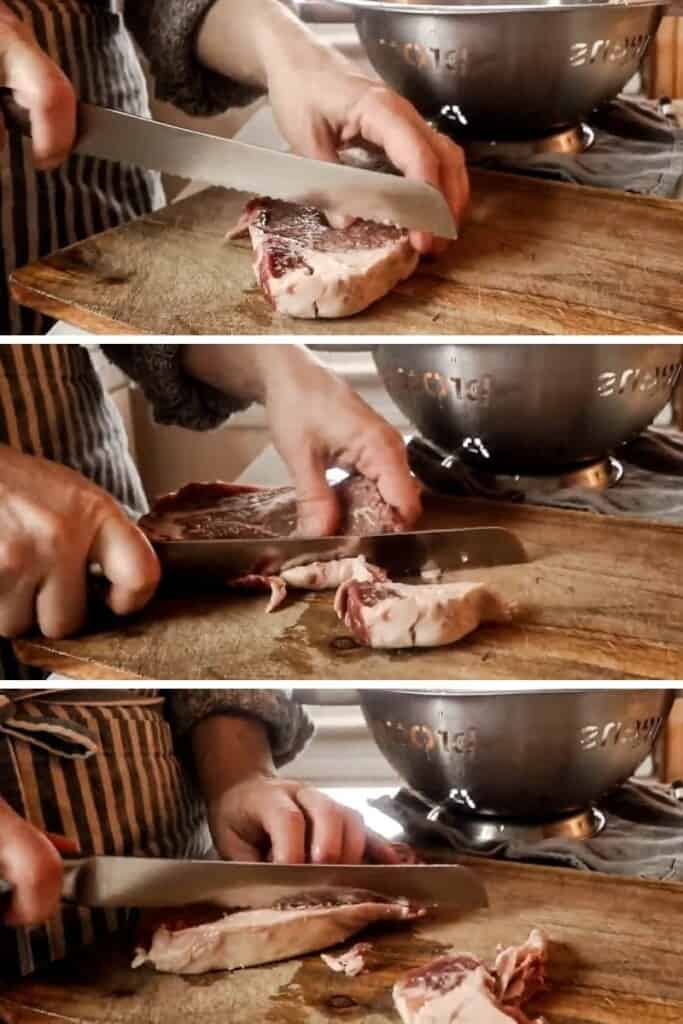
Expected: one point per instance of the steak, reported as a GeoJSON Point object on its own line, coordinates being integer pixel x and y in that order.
{"type": "Point", "coordinates": [461, 989]}
{"type": "Point", "coordinates": [306, 924]}
{"type": "Point", "coordinates": [396, 615]}
{"type": "Point", "coordinates": [222, 511]}
{"type": "Point", "coordinates": [308, 269]}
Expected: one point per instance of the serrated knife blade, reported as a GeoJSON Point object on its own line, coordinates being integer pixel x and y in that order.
{"type": "Point", "coordinates": [400, 554]}
{"type": "Point", "coordinates": [111, 882]}
{"type": "Point", "coordinates": [336, 189]}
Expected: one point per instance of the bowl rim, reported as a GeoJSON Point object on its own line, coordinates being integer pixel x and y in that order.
{"type": "Point", "coordinates": [456, 7]}
{"type": "Point", "coordinates": [530, 692]}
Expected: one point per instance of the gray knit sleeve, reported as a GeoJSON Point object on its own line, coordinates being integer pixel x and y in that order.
{"type": "Point", "coordinates": [176, 398]}
{"type": "Point", "coordinates": [289, 728]}
{"type": "Point", "coordinates": [166, 31]}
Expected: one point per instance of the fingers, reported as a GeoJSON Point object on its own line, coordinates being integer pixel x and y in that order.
{"type": "Point", "coordinates": [66, 846]}
{"type": "Point", "coordinates": [285, 824]}
{"type": "Point", "coordinates": [317, 506]}
{"type": "Point", "coordinates": [454, 178]}
{"type": "Point", "coordinates": [414, 148]}
{"type": "Point", "coordinates": [129, 563]}
{"type": "Point", "coordinates": [379, 851]}
{"type": "Point", "coordinates": [61, 602]}
{"type": "Point", "coordinates": [231, 846]}
{"type": "Point", "coordinates": [337, 834]}
{"type": "Point", "coordinates": [41, 87]}
{"type": "Point", "coordinates": [383, 459]}
{"type": "Point", "coordinates": [32, 865]}
{"type": "Point", "coordinates": [17, 595]}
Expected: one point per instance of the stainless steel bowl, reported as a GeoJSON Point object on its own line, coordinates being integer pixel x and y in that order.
{"type": "Point", "coordinates": [521, 755]}
{"type": "Point", "coordinates": [529, 407]}
{"type": "Point", "coordinates": [507, 69]}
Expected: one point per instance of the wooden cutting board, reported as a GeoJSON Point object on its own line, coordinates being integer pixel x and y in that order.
{"type": "Point", "coordinates": [535, 258]}
{"type": "Point", "coordinates": [617, 950]}
{"type": "Point", "coordinates": [600, 598]}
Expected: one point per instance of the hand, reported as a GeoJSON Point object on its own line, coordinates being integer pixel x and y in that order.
{"type": "Point", "coordinates": [322, 103]}
{"type": "Point", "coordinates": [53, 525]}
{"type": "Point", "coordinates": [267, 818]}
{"type": "Point", "coordinates": [30, 861]}
{"type": "Point", "coordinates": [254, 815]}
{"type": "Point", "coordinates": [316, 421]}
{"type": "Point", "coordinates": [39, 86]}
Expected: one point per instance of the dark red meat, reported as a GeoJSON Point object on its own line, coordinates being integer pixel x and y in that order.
{"type": "Point", "coordinates": [221, 511]}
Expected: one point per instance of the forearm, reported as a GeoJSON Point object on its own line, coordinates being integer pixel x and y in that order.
{"type": "Point", "coordinates": [244, 40]}
{"type": "Point", "coordinates": [250, 372]}
{"type": "Point", "coordinates": [226, 750]}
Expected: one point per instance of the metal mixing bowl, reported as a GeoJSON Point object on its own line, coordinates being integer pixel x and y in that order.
{"type": "Point", "coordinates": [507, 69]}
{"type": "Point", "coordinates": [520, 755]}
{"type": "Point", "coordinates": [529, 407]}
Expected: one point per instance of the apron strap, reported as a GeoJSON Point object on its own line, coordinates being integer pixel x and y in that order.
{"type": "Point", "coordinates": [57, 736]}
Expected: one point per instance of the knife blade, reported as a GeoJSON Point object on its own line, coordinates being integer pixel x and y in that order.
{"type": "Point", "coordinates": [400, 554]}
{"type": "Point", "coordinates": [334, 188]}
{"type": "Point", "coordinates": [111, 882]}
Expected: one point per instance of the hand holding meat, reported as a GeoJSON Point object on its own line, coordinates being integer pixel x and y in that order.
{"type": "Point", "coordinates": [254, 815]}
{"type": "Point", "coordinates": [39, 86]}
{"type": "Point", "coordinates": [322, 103]}
{"type": "Point", "coordinates": [54, 524]}
{"type": "Point", "coordinates": [268, 818]}
{"type": "Point", "coordinates": [316, 421]}
{"type": "Point", "coordinates": [30, 862]}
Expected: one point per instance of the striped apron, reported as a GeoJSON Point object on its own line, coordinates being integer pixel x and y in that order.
{"type": "Point", "coordinates": [52, 404]}
{"type": "Point", "coordinates": [99, 768]}
{"type": "Point", "coordinates": [41, 211]}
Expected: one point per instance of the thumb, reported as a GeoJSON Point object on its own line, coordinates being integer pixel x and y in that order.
{"type": "Point", "coordinates": [231, 846]}
{"type": "Point", "coordinates": [318, 511]}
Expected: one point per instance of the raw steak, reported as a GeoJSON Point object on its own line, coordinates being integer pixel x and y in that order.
{"type": "Point", "coordinates": [221, 511]}
{"type": "Point", "coordinates": [462, 990]}
{"type": "Point", "coordinates": [351, 963]}
{"type": "Point", "coordinates": [520, 970]}
{"type": "Point", "coordinates": [291, 928]}
{"type": "Point", "coordinates": [308, 269]}
{"type": "Point", "coordinates": [393, 615]}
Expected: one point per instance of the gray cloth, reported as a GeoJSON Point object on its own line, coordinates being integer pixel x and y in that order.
{"type": "Point", "coordinates": [638, 148]}
{"type": "Point", "coordinates": [176, 398]}
{"type": "Point", "coordinates": [652, 486]}
{"type": "Point", "coordinates": [643, 836]}
{"type": "Point", "coordinates": [166, 31]}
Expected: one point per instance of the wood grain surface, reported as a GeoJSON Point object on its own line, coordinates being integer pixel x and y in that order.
{"type": "Point", "coordinates": [617, 949]}
{"type": "Point", "coordinates": [600, 598]}
{"type": "Point", "coordinates": [535, 257]}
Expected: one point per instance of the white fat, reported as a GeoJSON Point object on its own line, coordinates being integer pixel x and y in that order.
{"type": "Point", "coordinates": [430, 616]}
{"type": "Point", "coordinates": [337, 284]}
{"type": "Point", "coordinates": [470, 1002]}
{"type": "Point", "coordinates": [330, 575]}
{"type": "Point", "coordinates": [254, 937]}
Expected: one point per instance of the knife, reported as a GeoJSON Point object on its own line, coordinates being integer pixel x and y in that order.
{"type": "Point", "coordinates": [337, 189]}
{"type": "Point", "coordinates": [400, 554]}
{"type": "Point", "coordinates": [135, 882]}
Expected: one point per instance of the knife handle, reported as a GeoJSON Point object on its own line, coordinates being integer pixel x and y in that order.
{"type": "Point", "coordinates": [6, 890]}
{"type": "Point", "coordinates": [14, 113]}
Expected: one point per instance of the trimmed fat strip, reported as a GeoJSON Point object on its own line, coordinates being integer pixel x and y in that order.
{"type": "Point", "coordinates": [307, 924]}
{"type": "Point", "coordinates": [398, 615]}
